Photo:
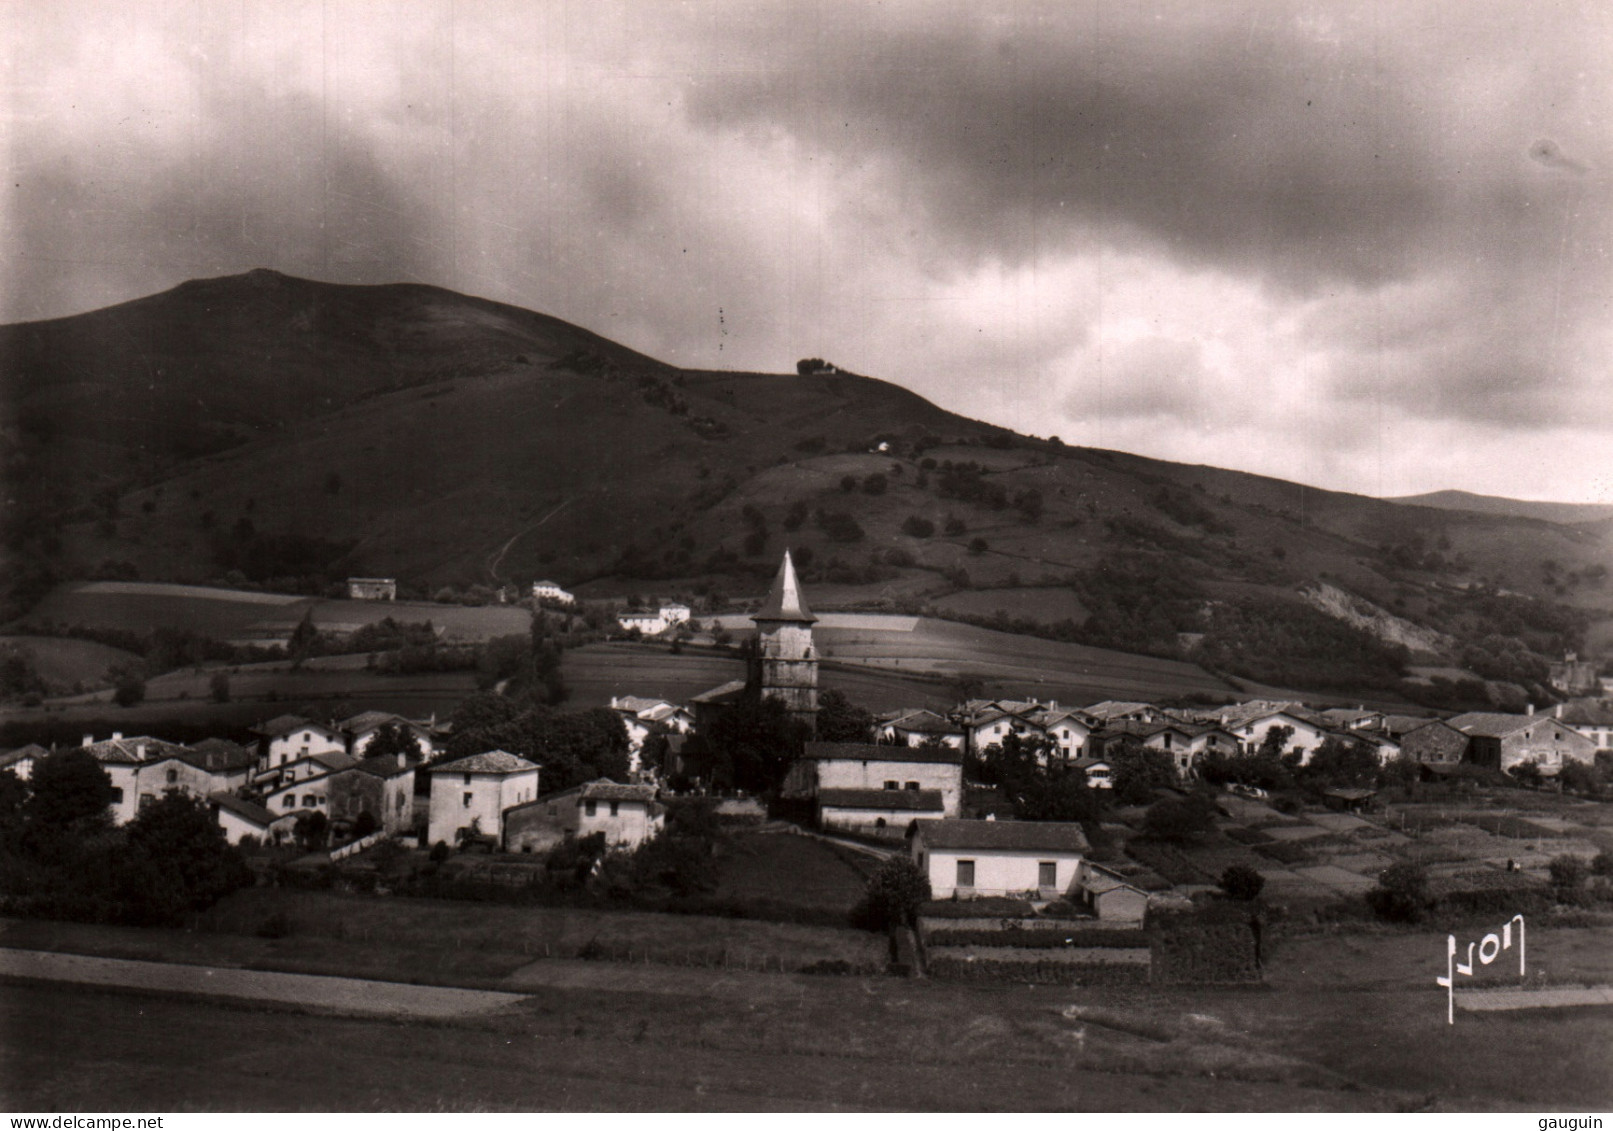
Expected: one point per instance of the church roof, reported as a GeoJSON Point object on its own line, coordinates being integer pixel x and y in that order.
{"type": "Point", "coordinates": [785, 602]}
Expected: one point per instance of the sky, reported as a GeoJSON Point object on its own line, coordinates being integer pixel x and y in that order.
{"type": "Point", "coordinates": [1362, 245]}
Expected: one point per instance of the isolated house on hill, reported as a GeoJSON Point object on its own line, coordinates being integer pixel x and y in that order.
{"type": "Point", "coordinates": [372, 588]}
{"type": "Point", "coordinates": [863, 766]}
{"type": "Point", "coordinates": [1505, 741]}
{"type": "Point", "coordinates": [551, 591]}
{"type": "Point", "coordinates": [471, 794]}
{"type": "Point", "coordinates": [627, 815]}
{"type": "Point", "coordinates": [977, 858]}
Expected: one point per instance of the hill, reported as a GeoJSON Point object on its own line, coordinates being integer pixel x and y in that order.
{"type": "Point", "coordinates": [277, 431]}
{"type": "Point", "coordinates": [1517, 508]}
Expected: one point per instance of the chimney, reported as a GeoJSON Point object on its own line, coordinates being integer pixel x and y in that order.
{"type": "Point", "coordinates": [1530, 709]}
{"type": "Point", "coordinates": [140, 752]}
{"type": "Point", "coordinates": [117, 736]}
{"type": "Point", "coordinates": [89, 740]}
{"type": "Point", "coordinates": [403, 761]}
{"type": "Point", "coordinates": [1557, 711]}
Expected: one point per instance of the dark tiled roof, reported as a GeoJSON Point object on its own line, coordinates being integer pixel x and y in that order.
{"type": "Point", "coordinates": [283, 724]}
{"type": "Point", "coordinates": [249, 810]}
{"type": "Point", "coordinates": [386, 765]}
{"type": "Point", "coordinates": [132, 751]}
{"type": "Point", "coordinates": [1007, 836]}
{"type": "Point", "coordinates": [909, 800]}
{"type": "Point", "coordinates": [868, 752]}
{"type": "Point", "coordinates": [22, 753]}
{"type": "Point", "coordinates": [1492, 724]}
{"type": "Point", "coordinates": [492, 762]}
{"type": "Point", "coordinates": [721, 693]}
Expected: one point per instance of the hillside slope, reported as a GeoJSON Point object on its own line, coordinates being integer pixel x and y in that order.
{"type": "Point", "coordinates": [293, 432]}
{"type": "Point", "coordinates": [1517, 508]}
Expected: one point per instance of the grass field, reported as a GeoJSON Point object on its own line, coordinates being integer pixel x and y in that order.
{"type": "Point", "coordinates": [230, 614]}
{"type": "Point", "coordinates": [62, 663]}
{"type": "Point", "coordinates": [1345, 1024]}
{"type": "Point", "coordinates": [1045, 606]}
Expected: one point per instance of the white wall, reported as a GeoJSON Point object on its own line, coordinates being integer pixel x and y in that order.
{"type": "Point", "coordinates": [855, 774]}
{"type": "Point", "coordinates": [456, 803]}
{"type": "Point", "coordinates": [997, 871]}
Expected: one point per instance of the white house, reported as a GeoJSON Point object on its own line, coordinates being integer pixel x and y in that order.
{"type": "Point", "coordinates": [643, 717]}
{"type": "Point", "coordinates": [864, 766]}
{"type": "Point", "coordinates": [1251, 722]}
{"type": "Point", "coordinates": [297, 794]}
{"type": "Point", "coordinates": [915, 728]}
{"type": "Point", "coordinates": [1067, 728]}
{"type": "Point", "coordinates": [653, 623]}
{"type": "Point", "coordinates": [1099, 772]}
{"type": "Point", "coordinates": [471, 794]}
{"type": "Point", "coordinates": [289, 738]}
{"type": "Point", "coordinates": [21, 760]}
{"type": "Point", "coordinates": [239, 818]}
{"type": "Point", "coordinates": [372, 589]}
{"type": "Point", "coordinates": [628, 815]}
{"type": "Point", "coordinates": [551, 591]}
{"type": "Point", "coordinates": [122, 758]}
{"type": "Point", "coordinates": [360, 730]}
{"type": "Point", "coordinates": [178, 774]}
{"type": "Point", "coordinates": [1039, 859]}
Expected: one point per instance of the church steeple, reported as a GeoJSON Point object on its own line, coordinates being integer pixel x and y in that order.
{"type": "Point", "coordinates": [785, 602]}
{"type": "Point", "coordinates": [787, 664]}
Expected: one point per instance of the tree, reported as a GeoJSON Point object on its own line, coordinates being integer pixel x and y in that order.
{"type": "Point", "coordinates": [1242, 882]}
{"type": "Point", "coordinates": [807, 366]}
{"type": "Point", "coordinates": [748, 746]}
{"type": "Point", "coordinates": [1342, 762]}
{"type": "Point", "coordinates": [1180, 819]}
{"type": "Point", "coordinates": [219, 687]}
{"type": "Point", "coordinates": [310, 829]}
{"type": "Point", "coordinates": [128, 688]}
{"type": "Point", "coordinates": [185, 860]}
{"type": "Point", "coordinates": [874, 484]}
{"type": "Point", "coordinates": [840, 720]}
{"type": "Point", "coordinates": [1138, 771]}
{"type": "Point", "coordinates": [70, 798]}
{"type": "Point", "coordinates": [1401, 895]}
{"type": "Point", "coordinates": [1578, 777]}
{"type": "Point", "coordinates": [895, 892]}
{"type": "Point", "coordinates": [915, 526]}
{"type": "Point", "coordinates": [392, 739]}
{"type": "Point", "coordinates": [1060, 795]}
{"type": "Point", "coordinates": [1526, 773]}
{"type": "Point", "coordinates": [1014, 763]}
{"type": "Point", "coordinates": [305, 639]}
{"type": "Point", "coordinates": [1568, 876]}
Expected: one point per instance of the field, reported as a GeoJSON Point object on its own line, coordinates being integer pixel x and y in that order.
{"type": "Point", "coordinates": [1045, 606]}
{"type": "Point", "coordinates": [1345, 1024]}
{"type": "Point", "coordinates": [62, 663]}
{"type": "Point", "coordinates": [240, 615]}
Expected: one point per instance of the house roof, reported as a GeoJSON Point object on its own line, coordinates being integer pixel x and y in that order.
{"type": "Point", "coordinates": [924, 722]}
{"type": "Point", "coordinates": [1347, 716]}
{"type": "Point", "coordinates": [1393, 725]}
{"type": "Point", "coordinates": [634, 704]}
{"type": "Point", "coordinates": [334, 760]}
{"type": "Point", "coordinates": [909, 800]}
{"type": "Point", "coordinates": [785, 601]}
{"type": "Point", "coordinates": [1100, 880]}
{"type": "Point", "coordinates": [721, 693]}
{"type": "Point", "coordinates": [285, 724]}
{"type": "Point", "coordinates": [869, 752]}
{"type": "Point", "coordinates": [1588, 712]}
{"type": "Point", "coordinates": [491, 762]}
{"type": "Point", "coordinates": [1115, 709]}
{"type": "Point", "coordinates": [132, 751]}
{"type": "Point", "coordinates": [1087, 762]}
{"type": "Point", "coordinates": [22, 754]}
{"type": "Point", "coordinates": [1005, 836]}
{"type": "Point", "coordinates": [1491, 724]}
{"type": "Point", "coordinates": [247, 810]}
{"type": "Point", "coordinates": [373, 720]}
{"type": "Point", "coordinates": [386, 765]}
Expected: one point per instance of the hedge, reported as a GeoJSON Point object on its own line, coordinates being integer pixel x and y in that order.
{"type": "Point", "coordinates": [1051, 973]}
{"type": "Point", "coordinates": [989, 907]}
{"type": "Point", "coordinates": [1039, 939]}
{"type": "Point", "coordinates": [1213, 943]}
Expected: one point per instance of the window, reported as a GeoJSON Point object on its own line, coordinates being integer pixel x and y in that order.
{"type": "Point", "coordinates": [173, 776]}
{"type": "Point", "coordinates": [966, 873]}
{"type": "Point", "coordinates": [117, 796]}
{"type": "Point", "coordinates": [465, 801]}
{"type": "Point", "coordinates": [147, 799]}
{"type": "Point", "coordinates": [1047, 874]}
{"type": "Point", "coordinates": [615, 808]}
{"type": "Point", "coordinates": [467, 779]}
{"type": "Point", "coordinates": [310, 800]}
{"type": "Point", "coordinates": [890, 785]}
{"type": "Point", "coordinates": [289, 802]}
{"type": "Point", "coordinates": [913, 785]}
{"type": "Point", "coordinates": [590, 807]}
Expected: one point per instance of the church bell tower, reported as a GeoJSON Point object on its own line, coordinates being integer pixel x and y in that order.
{"type": "Point", "coordinates": [787, 664]}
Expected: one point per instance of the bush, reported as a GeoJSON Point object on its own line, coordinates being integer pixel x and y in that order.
{"type": "Point", "coordinates": [915, 527]}
{"type": "Point", "coordinates": [1240, 881]}
{"type": "Point", "coordinates": [1602, 864]}
{"type": "Point", "coordinates": [1568, 876]}
{"type": "Point", "coordinates": [874, 484]}
{"type": "Point", "coordinates": [1180, 820]}
{"type": "Point", "coordinates": [894, 893]}
{"type": "Point", "coordinates": [1401, 895]}
{"type": "Point", "coordinates": [439, 852]}
{"type": "Point", "coordinates": [1039, 938]}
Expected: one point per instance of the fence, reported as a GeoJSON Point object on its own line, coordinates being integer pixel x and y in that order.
{"type": "Point", "coordinates": [355, 847]}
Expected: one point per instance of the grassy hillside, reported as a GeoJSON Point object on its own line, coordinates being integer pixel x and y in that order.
{"type": "Point", "coordinates": [267, 429]}
{"type": "Point", "coordinates": [1518, 508]}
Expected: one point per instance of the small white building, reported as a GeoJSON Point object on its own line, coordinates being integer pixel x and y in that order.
{"type": "Point", "coordinates": [471, 794]}
{"type": "Point", "coordinates": [915, 728]}
{"type": "Point", "coordinates": [1109, 895]}
{"type": "Point", "coordinates": [21, 760]}
{"type": "Point", "coordinates": [551, 591]}
{"type": "Point", "coordinates": [122, 758]}
{"type": "Point", "coordinates": [873, 810]}
{"type": "Point", "coordinates": [628, 815]}
{"type": "Point", "coordinates": [239, 819]}
{"type": "Point", "coordinates": [653, 623]}
{"type": "Point", "coordinates": [372, 588]}
{"type": "Point", "coordinates": [360, 730]}
{"type": "Point", "coordinates": [1037, 859]}
{"type": "Point", "coordinates": [1099, 772]}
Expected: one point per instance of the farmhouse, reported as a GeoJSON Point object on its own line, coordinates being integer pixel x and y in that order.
{"type": "Point", "coordinates": [863, 766]}
{"type": "Point", "coordinates": [1114, 711]}
{"type": "Point", "coordinates": [654, 622]}
{"type": "Point", "coordinates": [974, 858]}
{"type": "Point", "coordinates": [372, 589]}
{"type": "Point", "coordinates": [643, 717]}
{"type": "Point", "coordinates": [470, 795]}
{"type": "Point", "coordinates": [1505, 741]}
{"type": "Point", "coordinates": [1109, 895]}
{"type": "Point", "coordinates": [382, 786]}
{"type": "Point", "coordinates": [1186, 743]}
{"type": "Point", "coordinates": [915, 728]}
{"type": "Point", "coordinates": [991, 726]}
{"type": "Point", "coordinates": [1591, 717]}
{"type": "Point", "coordinates": [628, 815]}
{"type": "Point", "coordinates": [870, 810]}
{"type": "Point", "coordinates": [121, 758]}
{"type": "Point", "coordinates": [292, 796]}
{"type": "Point", "coordinates": [1067, 728]}
{"type": "Point", "coordinates": [240, 819]}
{"type": "Point", "coordinates": [1250, 723]}
{"type": "Point", "coordinates": [360, 730]}
{"type": "Point", "coordinates": [175, 774]}
{"type": "Point", "coordinates": [21, 760]}
{"type": "Point", "coordinates": [1435, 744]}
{"type": "Point", "coordinates": [551, 591]}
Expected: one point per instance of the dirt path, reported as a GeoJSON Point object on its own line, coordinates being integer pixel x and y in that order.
{"type": "Point", "coordinates": [343, 995]}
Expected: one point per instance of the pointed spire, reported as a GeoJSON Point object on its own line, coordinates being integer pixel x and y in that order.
{"type": "Point", "coordinates": [785, 601]}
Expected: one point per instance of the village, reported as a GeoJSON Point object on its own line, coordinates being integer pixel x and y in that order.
{"type": "Point", "coordinates": [997, 799]}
